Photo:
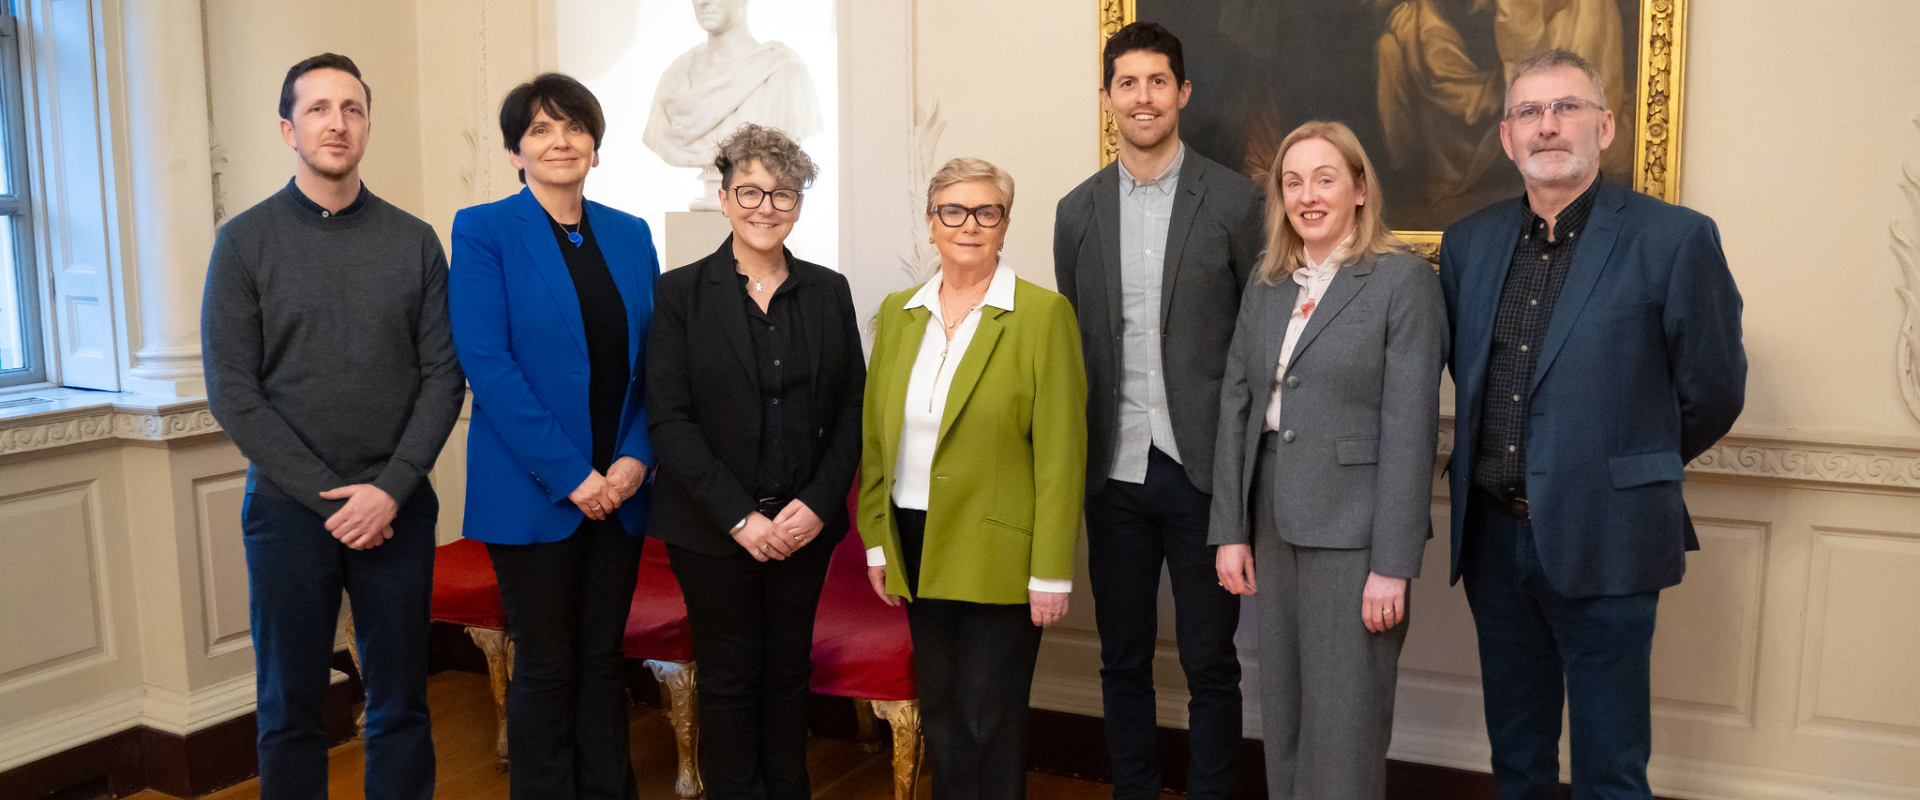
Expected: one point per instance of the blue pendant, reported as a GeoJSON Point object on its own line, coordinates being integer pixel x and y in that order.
{"type": "Point", "coordinates": [576, 238]}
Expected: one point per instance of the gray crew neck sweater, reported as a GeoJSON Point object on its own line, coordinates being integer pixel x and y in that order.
{"type": "Point", "coordinates": [328, 349]}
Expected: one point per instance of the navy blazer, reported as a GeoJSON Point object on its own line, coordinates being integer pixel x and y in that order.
{"type": "Point", "coordinates": [1641, 371]}
{"type": "Point", "coordinates": [518, 330]}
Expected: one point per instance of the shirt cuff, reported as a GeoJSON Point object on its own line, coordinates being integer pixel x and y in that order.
{"type": "Point", "coordinates": [1045, 585]}
{"type": "Point", "coordinates": [876, 556]}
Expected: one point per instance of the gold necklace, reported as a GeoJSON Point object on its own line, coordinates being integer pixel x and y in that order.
{"type": "Point", "coordinates": [955, 320]}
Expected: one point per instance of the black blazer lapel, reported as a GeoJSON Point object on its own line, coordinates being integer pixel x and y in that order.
{"type": "Point", "coordinates": [719, 275]}
{"type": "Point", "coordinates": [1589, 261]}
{"type": "Point", "coordinates": [1106, 222]}
{"type": "Point", "coordinates": [813, 316]}
{"type": "Point", "coordinates": [1187, 196]}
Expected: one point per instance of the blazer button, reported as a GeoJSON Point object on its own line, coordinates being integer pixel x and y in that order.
{"type": "Point", "coordinates": [1286, 436]}
{"type": "Point", "coordinates": [1293, 381]}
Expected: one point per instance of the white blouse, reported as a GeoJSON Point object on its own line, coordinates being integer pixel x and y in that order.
{"type": "Point", "coordinates": [1313, 279]}
{"type": "Point", "coordinates": [927, 389]}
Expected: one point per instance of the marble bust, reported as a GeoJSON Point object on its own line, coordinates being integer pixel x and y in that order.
{"type": "Point", "coordinates": [729, 79]}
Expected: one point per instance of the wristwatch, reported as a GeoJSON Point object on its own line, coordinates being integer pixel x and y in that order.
{"type": "Point", "coordinates": [739, 526]}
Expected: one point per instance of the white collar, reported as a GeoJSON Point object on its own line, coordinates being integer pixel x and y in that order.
{"type": "Point", "coordinates": [999, 290]}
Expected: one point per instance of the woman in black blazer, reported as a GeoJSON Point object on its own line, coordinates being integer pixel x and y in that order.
{"type": "Point", "coordinates": [754, 377]}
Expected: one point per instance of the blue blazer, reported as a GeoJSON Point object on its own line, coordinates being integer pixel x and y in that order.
{"type": "Point", "coordinates": [518, 330]}
{"type": "Point", "coordinates": [1641, 371]}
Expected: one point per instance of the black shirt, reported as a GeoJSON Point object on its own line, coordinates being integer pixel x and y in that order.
{"type": "Point", "coordinates": [786, 390]}
{"type": "Point", "coordinates": [300, 197]}
{"type": "Point", "coordinates": [604, 315]}
{"type": "Point", "coordinates": [1534, 279]}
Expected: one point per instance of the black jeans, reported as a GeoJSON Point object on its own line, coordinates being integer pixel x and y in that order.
{"type": "Point", "coordinates": [1533, 642]}
{"type": "Point", "coordinates": [295, 571]}
{"type": "Point", "coordinates": [566, 605]}
{"type": "Point", "coordinates": [1132, 529]}
{"type": "Point", "coordinates": [752, 627]}
{"type": "Point", "coordinates": [974, 666]}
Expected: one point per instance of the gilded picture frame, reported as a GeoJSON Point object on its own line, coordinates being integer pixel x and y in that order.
{"type": "Point", "coordinates": [1657, 78]}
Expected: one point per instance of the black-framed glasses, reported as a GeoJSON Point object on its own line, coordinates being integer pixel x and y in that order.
{"type": "Point", "coordinates": [1532, 113]}
{"type": "Point", "coordinates": [954, 215]}
{"type": "Point", "coordinates": [750, 197]}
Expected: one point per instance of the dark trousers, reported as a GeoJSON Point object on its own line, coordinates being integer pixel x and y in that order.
{"type": "Point", "coordinates": [974, 668]}
{"type": "Point", "coordinates": [295, 573]}
{"type": "Point", "coordinates": [752, 627]}
{"type": "Point", "coordinates": [566, 605]}
{"type": "Point", "coordinates": [1132, 529]}
{"type": "Point", "coordinates": [1537, 649]}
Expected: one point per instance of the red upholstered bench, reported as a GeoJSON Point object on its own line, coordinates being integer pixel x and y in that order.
{"type": "Point", "coordinates": [658, 636]}
{"type": "Point", "coordinates": [862, 650]}
{"type": "Point", "coordinates": [466, 593]}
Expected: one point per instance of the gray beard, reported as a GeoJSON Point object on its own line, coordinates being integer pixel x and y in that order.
{"type": "Point", "coordinates": [1574, 167]}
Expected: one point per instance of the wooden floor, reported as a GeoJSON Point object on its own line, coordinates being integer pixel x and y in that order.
{"type": "Point", "coordinates": [463, 747]}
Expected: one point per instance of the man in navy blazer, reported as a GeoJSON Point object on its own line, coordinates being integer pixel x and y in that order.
{"type": "Point", "coordinates": [1596, 350]}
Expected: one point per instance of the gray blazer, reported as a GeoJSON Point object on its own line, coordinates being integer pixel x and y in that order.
{"type": "Point", "coordinates": [1213, 247]}
{"type": "Point", "coordinates": [1359, 419]}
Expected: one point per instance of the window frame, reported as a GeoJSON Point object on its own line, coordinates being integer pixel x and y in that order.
{"type": "Point", "coordinates": [16, 208]}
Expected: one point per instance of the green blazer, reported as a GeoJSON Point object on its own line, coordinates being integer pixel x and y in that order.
{"type": "Point", "coordinates": [1010, 467]}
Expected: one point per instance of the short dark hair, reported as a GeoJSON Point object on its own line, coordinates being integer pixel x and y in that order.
{"type": "Point", "coordinates": [1149, 36]}
{"type": "Point", "coordinates": [562, 97]}
{"type": "Point", "coordinates": [322, 61]}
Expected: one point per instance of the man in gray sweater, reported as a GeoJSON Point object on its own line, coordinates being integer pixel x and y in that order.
{"type": "Point", "coordinates": [330, 363]}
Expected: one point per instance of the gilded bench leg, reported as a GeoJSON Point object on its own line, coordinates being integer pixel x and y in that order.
{"type": "Point", "coordinates": [908, 746]}
{"type": "Point", "coordinates": [677, 683]}
{"type": "Point", "coordinates": [867, 729]}
{"type": "Point", "coordinates": [499, 652]}
{"type": "Point", "coordinates": [353, 651]}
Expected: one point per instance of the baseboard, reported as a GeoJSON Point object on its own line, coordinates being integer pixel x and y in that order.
{"type": "Point", "coordinates": [113, 745]}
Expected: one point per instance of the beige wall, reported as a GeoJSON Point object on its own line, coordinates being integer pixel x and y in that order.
{"type": "Point", "coordinates": [250, 45]}
{"type": "Point", "coordinates": [1798, 119]}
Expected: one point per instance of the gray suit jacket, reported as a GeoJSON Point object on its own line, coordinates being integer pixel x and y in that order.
{"type": "Point", "coordinates": [1213, 247]}
{"type": "Point", "coordinates": [1359, 419]}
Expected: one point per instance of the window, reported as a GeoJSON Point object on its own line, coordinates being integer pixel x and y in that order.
{"type": "Point", "coordinates": [22, 359]}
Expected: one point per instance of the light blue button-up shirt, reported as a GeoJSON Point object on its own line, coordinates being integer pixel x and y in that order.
{"type": "Point", "coordinates": [1146, 210]}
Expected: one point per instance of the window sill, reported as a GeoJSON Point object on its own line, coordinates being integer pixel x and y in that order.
{"type": "Point", "coordinates": [71, 417]}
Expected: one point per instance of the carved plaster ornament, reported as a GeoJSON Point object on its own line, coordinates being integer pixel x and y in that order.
{"type": "Point", "coordinates": [731, 78]}
{"type": "Point", "coordinates": [1906, 248]}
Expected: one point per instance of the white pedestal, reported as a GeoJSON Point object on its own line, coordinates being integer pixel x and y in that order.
{"type": "Point", "coordinates": [693, 235]}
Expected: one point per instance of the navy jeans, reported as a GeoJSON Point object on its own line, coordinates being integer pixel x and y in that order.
{"type": "Point", "coordinates": [295, 573]}
{"type": "Point", "coordinates": [1132, 530]}
{"type": "Point", "coordinates": [1538, 648]}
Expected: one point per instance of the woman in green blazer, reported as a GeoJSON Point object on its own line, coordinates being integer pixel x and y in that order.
{"type": "Point", "coordinates": [972, 472]}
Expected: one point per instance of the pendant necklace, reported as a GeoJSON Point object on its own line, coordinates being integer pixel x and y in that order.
{"type": "Point", "coordinates": [574, 235]}
{"type": "Point", "coordinates": [756, 280]}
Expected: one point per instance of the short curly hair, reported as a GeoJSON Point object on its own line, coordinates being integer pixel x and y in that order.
{"type": "Point", "coordinates": [777, 153]}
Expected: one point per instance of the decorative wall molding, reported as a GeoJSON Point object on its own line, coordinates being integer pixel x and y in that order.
{"type": "Point", "coordinates": [66, 427]}
{"type": "Point", "coordinates": [1906, 248]}
{"type": "Point", "coordinates": [1760, 457]}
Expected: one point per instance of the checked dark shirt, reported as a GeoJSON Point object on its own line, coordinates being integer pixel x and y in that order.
{"type": "Point", "coordinates": [1534, 279]}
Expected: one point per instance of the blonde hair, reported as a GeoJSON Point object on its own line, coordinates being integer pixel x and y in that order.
{"type": "Point", "coordinates": [966, 170]}
{"type": "Point", "coordinates": [1286, 251]}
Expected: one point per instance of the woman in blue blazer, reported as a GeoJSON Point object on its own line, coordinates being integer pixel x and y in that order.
{"type": "Point", "coordinates": [550, 297]}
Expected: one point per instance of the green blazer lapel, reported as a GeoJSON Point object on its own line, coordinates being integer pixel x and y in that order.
{"type": "Point", "coordinates": [906, 348]}
{"type": "Point", "coordinates": [972, 366]}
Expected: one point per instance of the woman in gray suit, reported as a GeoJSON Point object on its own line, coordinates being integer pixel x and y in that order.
{"type": "Point", "coordinates": [1324, 470]}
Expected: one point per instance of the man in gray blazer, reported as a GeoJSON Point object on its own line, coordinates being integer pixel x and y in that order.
{"type": "Point", "coordinates": [1153, 252]}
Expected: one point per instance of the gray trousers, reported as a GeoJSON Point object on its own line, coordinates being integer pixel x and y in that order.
{"type": "Point", "coordinates": [1326, 684]}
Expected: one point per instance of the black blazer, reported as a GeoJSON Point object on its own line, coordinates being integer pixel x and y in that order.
{"type": "Point", "coordinates": [703, 401]}
{"type": "Point", "coordinates": [1213, 246]}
